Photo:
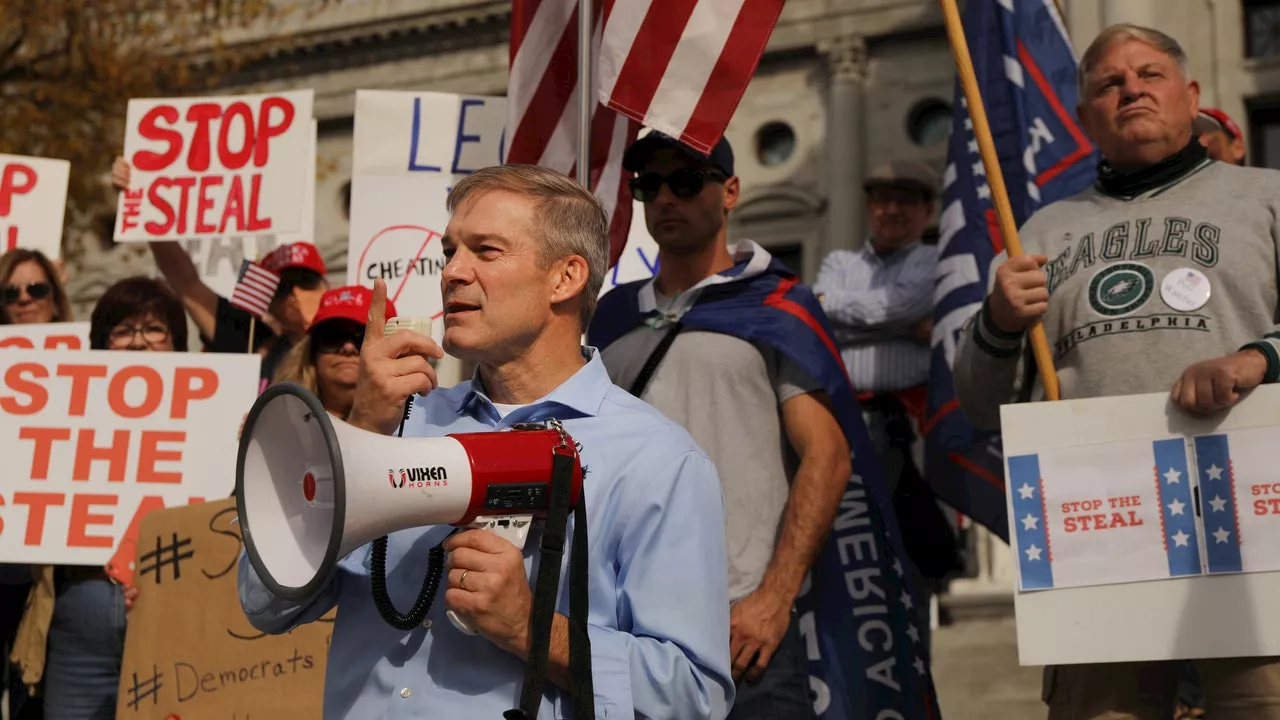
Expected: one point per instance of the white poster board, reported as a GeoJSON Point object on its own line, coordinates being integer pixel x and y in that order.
{"type": "Point", "coordinates": [218, 259]}
{"type": "Point", "coordinates": [215, 166]}
{"type": "Point", "coordinates": [33, 201]}
{"type": "Point", "coordinates": [408, 150]}
{"type": "Point", "coordinates": [1195, 579]}
{"type": "Point", "coordinates": [93, 439]}
{"type": "Point", "coordinates": [46, 336]}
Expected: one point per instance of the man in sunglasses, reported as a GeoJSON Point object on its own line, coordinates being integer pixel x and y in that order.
{"type": "Point", "coordinates": [728, 344]}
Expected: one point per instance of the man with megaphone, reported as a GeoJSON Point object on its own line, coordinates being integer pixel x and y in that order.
{"type": "Point", "coordinates": [527, 250]}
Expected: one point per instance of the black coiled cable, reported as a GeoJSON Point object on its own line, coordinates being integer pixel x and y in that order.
{"type": "Point", "coordinates": [426, 596]}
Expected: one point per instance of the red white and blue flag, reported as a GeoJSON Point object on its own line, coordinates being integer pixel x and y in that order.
{"type": "Point", "coordinates": [1026, 69]}
{"type": "Point", "coordinates": [255, 286]}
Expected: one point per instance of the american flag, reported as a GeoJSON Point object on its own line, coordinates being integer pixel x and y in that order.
{"type": "Point", "coordinates": [681, 66]}
{"type": "Point", "coordinates": [254, 289]}
{"type": "Point", "coordinates": [542, 106]}
{"type": "Point", "coordinates": [1026, 69]}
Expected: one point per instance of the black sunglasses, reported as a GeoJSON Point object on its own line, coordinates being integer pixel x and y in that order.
{"type": "Point", "coordinates": [328, 339]}
{"type": "Point", "coordinates": [36, 290]}
{"type": "Point", "coordinates": [684, 183]}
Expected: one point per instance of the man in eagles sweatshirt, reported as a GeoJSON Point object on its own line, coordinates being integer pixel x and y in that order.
{"type": "Point", "coordinates": [1159, 278]}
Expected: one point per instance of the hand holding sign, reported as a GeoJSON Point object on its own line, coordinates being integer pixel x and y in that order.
{"type": "Point", "coordinates": [391, 369]}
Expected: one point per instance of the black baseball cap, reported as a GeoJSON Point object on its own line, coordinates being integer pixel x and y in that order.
{"type": "Point", "coordinates": [721, 156]}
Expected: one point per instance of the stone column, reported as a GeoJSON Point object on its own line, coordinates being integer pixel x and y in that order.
{"type": "Point", "coordinates": [846, 132]}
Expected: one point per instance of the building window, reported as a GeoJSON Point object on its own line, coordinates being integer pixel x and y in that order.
{"type": "Point", "coordinates": [1262, 27]}
{"type": "Point", "coordinates": [775, 143]}
{"type": "Point", "coordinates": [1264, 133]}
{"type": "Point", "coordinates": [929, 122]}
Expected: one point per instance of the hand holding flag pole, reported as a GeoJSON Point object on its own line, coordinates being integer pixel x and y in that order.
{"type": "Point", "coordinates": [999, 195]}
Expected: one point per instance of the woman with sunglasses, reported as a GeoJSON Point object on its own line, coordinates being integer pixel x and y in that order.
{"type": "Point", "coordinates": [31, 291]}
{"type": "Point", "coordinates": [327, 360]}
{"type": "Point", "coordinates": [81, 658]}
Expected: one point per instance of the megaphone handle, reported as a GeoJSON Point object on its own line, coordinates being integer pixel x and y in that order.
{"type": "Point", "coordinates": [512, 534]}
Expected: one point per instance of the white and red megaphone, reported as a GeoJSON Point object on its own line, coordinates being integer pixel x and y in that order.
{"type": "Point", "coordinates": [311, 488]}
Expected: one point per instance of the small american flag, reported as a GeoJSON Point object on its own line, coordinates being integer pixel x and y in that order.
{"type": "Point", "coordinates": [254, 289]}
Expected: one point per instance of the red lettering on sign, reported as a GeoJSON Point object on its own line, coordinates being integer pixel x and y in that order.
{"type": "Point", "coordinates": [80, 376]}
{"type": "Point", "coordinates": [150, 401]}
{"type": "Point", "coordinates": [186, 389]}
{"type": "Point", "coordinates": [149, 128]}
{"type": "Point", "coordinates": [205, 204]}
{"type": "Point", "coordinates": [81, 518]}
{"type": "Point", "coordinates": [44, 439]}
{"type": "Point", "coordinates": [268, 130]}
{"type": "Point", "coordinates": [38, 504]}
{"type": "Point", "coordinates": [15, 179]}
{"type": "Point", "coordinates": [150, 453]}
{"type": "Point", "coordinates": [116, 454]}
{"type": "Point", "coordinates": [37, 396]}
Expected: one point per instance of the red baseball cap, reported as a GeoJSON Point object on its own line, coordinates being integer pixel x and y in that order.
{"type": "Point", "coordinates": [1224, 121]}
{"type": "Point", "coordinates": [294, 255]}
{"type": "Point", "coordinates": [350, 302]}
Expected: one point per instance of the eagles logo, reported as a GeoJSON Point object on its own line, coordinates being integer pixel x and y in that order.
{"type": "Point", "coordinates": [1120, 289]}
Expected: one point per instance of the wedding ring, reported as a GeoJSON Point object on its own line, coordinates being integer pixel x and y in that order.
{"type": "Point", "coordinates": [462, 580]}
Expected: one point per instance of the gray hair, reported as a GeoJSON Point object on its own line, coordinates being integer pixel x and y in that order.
{"type": "Point", "coordinates": [1125, 31]}
{"type": "Point", "coordinates": [567, 220]}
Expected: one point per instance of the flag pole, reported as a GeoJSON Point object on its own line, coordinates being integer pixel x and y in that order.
{"type": "Point", "coordinates": [999, 195]}
{"type": "Point", "coordinates": [585, 94]}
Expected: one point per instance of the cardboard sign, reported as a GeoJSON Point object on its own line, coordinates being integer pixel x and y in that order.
{"type": "Point", "coordinates": [1142, 533]}
{"type": "Point", "coordinates": [45, 336]}
{"type": "Point", "coordinates": [218, 259]}
{"type": "Point", "coordinates": [215, 166]}
{"type": "Point", "coordinates": [189, 652]}
{"type": "Point", "coordinates": [33, 200]}
{"type": "Point", "coordinates": [94, 439]}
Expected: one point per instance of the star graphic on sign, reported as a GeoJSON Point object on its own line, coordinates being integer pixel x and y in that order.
{"type": "Point", "coordinates": [1033, 552]}
{"type": "Point", "coordinates": [906, 599]}
{"type": "Point", "coordinates": [1175, 507]}
{"type": "Point", "coordinates": [1215, 472]}
{"type": "Point", "coordinates": [1030, 522]}
{"type": "Point", "coordinates": [913, 633]}
{"type": "Point", "coordinates": [1221, 535]}
{"type": "Point", "coordinates": [1180, 540]}
{"type": "Point", "coordinates": [918, 665]}
{"type": "Point", "coordinates": [897, 567]}
{"type": "Point", "coordinates": [1026, 491]}
{"type": "Point", "coordinates": [1172, 476]}
{"type": "Point", "coordinates": [1219, 505]}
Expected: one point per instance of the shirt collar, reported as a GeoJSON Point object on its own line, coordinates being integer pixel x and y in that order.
{"type": "Point", "coordinates": [749, 260]}
{"type": "Point", "coordinates": [583, 393]}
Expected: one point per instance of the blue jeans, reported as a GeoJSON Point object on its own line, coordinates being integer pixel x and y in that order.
{"type": "Point", "coordinates": [86, 644]}
{"type": "Point", "coordinates": [782, 692]}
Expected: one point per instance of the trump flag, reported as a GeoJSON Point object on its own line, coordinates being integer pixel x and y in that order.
{"type": "Point", "coordinates": [1026, 70]}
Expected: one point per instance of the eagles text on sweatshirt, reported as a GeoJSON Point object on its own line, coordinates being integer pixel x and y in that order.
{"type": "Point", "coordinates": [1139, 289]}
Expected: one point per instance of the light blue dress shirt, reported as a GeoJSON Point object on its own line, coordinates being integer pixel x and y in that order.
{"type": "Point", "coordinates": [873, 302]}
{"type": "Point", "coordinates": [659, 604]}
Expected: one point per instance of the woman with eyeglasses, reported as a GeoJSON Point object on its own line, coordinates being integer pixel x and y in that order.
{"type": "Point", "coordinates": [327, 360]}
{"type": "Point", "coordinates": [81, 658]}
{"type": "Point", "coordinates": [31, 289]}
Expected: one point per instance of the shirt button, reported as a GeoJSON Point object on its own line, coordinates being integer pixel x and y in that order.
{"type": "Point", "coordinates": [405, 693]}
{"type": "Point", "coordinates": [427, 623]}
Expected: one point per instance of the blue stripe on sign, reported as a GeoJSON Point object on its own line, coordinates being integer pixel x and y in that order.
{"type": "Point", "coordinates": [1218, 504]}
{"type": "Point", "coordinates": [1177, 507]}
{"type": "Point", "coordinates": [1029, 523]}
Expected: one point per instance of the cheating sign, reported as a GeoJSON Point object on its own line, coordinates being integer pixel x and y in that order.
{"type": "Point", "coordinates": [94, 439]}
{"type": "Point", "coordinates": [212, 167]}
{"type": "Point", "coordinates": [33, 199]}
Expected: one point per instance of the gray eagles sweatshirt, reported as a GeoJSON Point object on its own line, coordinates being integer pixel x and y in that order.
{"type": "Point", "coordinates": [1127, 277]}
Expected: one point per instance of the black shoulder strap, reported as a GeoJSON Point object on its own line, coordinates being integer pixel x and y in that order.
{"type": "Point", "coordinates": [655, 359]}
{"type": "Point", "coordinates": [544, 602]}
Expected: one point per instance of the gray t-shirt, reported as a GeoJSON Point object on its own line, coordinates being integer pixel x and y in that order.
{"type": "Point", "coordinates": [727, 393]}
